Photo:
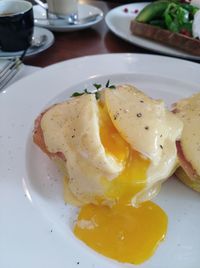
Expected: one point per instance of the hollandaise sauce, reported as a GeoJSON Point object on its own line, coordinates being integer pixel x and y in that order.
{"type": "Point", "coordinates": [122, 232]}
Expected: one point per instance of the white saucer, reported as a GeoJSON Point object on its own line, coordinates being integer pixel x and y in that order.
{"type": "Point", "coordinates": [83, 11]}
{"type": "Point", "coordinates": [32, 51]}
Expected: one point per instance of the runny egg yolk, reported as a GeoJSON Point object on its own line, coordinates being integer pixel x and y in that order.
{"type": "Point", "coordinates": [122, 232]}
{"type": "Point", "coordinates": [133, 177]}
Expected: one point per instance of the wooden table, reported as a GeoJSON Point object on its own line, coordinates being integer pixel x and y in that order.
{"type": "Point", "coordinates": [95, 40]}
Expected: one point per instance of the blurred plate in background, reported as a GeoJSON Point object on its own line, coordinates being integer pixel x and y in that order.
{"type": "Point", "coordinates": [118, 21]}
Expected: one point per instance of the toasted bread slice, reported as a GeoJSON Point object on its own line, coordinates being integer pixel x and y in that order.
{"type": "Point", "coordinates": [176, 40]}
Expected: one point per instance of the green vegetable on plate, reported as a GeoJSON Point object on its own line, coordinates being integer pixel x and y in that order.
{"type": "Point", "coordinates": [174, 16]}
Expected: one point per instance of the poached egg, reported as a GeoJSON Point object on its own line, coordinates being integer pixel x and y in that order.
{"type": "Point", "coordinates": [188, 110]}
{"type": "Point", "coordinates": [118, 151]}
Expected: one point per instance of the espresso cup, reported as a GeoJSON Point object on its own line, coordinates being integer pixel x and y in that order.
{"type": "Point", "coordinates": [16, 25]}
{"type": "Point", "coordinates": [62, 9]}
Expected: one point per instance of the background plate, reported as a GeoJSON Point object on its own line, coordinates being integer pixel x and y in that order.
{"type": "Point", "coordinates": [118, 21]}
{"type": "Point", "coordinates": [36, 226]}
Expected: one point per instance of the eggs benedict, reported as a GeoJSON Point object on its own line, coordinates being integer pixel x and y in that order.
{"type": "Point", "coordinates": [115, 153]}
{"type": "Point", "coordinates": [188, 148]}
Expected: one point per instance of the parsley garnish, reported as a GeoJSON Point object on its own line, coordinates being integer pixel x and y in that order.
{"type": "Point", "coordinates": [97, 95]}
{"type": "Point", "coordinates": [110, 86]}
{"type": "Point", "coordinates": [107, 83]}
{"type": "Point", "coordinates": [86, 91]}
{"type": "Point", "coordinates": [97, 86]}
{"type": "Point", "coordinates": [97, 90]}
{"type": "Point", "coordinates": [76, 94]}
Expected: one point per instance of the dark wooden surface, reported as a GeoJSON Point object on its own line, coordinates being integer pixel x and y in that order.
{"type": "Point", "coordinates": [96, 40]}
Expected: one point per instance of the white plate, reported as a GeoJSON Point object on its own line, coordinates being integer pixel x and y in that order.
{"type": "Point", "coordinates": [35, 225]}
{"type": "Point", "coordinates": [118, 21]}
{"type": "Point", "coordinates": [32, 51]}
{"type": "Point", "coordinates": [84, 10]}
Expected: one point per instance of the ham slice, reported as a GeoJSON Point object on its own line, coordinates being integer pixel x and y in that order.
{"type": "Point", "coordinates": [38, 138]}
{"type": "Point", "coordinates": [186, 172]}
{"type": "Point", "coordinates": [185, 164]}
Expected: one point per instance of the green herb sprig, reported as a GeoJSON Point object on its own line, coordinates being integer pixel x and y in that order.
{"type": "Point", "coordinates": [97, 90]}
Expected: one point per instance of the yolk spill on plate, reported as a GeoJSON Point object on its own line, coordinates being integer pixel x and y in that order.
{"type": "Point", "coordinates": [122, 232]}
